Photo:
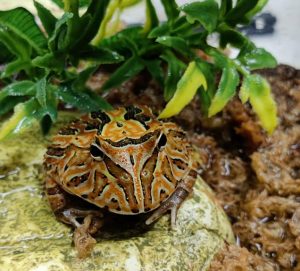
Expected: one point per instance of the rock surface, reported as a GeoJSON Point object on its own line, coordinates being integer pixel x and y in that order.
{"type": "Point", "coordinates": [32, 239]}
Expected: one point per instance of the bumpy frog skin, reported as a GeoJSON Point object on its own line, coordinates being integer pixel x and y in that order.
{"type": "Point", "coordinates": [124, 161]}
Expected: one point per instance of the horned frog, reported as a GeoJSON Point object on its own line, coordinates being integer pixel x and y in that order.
{"type": "Point", "coordinates": [123, 161]}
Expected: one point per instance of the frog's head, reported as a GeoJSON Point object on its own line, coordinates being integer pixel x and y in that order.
{"type": "Point", "coordinates": [128, 136]}
{"type": "Point", "coordinates": [138, 151]}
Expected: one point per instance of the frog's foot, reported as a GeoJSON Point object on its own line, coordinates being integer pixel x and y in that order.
{"type": "Point", "coordinates": [84, 242]}
{"type": "Point", "coordinates": [92, 222]}
{"type": "Point", "coordinates": [172, 203]}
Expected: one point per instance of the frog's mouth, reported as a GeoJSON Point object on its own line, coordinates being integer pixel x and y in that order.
{"type": "Point", "coordinates": [133, 141]}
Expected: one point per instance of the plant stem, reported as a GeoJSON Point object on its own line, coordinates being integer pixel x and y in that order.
{"type": "Point", "coordinates": [71, 6]}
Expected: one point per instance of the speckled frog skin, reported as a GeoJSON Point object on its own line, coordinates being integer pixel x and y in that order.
{"type": "Point", "coordinates": [124, 161]}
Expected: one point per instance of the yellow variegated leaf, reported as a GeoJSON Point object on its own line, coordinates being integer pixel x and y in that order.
{"type": "Point", "coordinates": [112, 7]}
{"type": "Point", "coordinates": [245, 90]}
{"type": "Point", "coordinates": [151, 17]}
{"type": "Point", "coordinates": [262, 102]}
{"type": "Point", "coordinates": [19, 119]}
{"type": "Point", "coordinates": [128, 3]}
{"type": "Point", "coordinates": [187, 86]}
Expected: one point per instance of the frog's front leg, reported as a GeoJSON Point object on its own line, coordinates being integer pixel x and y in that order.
{"type": "Point", "coordinates": [182, 191]}
{"type": "Point", "coordinates": [85, 222]}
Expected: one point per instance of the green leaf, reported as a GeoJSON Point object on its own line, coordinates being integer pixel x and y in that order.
{"type": "Point", "coordinates": [262, 102]}
{"type": "Point", "coordinates": [128, 3]}
{"type": "Point", "coordinates": [86, 101]}
{"type": "Point", "coordinates": [82, 77]}
{"type": "Point", "coordinates": [51, 102]}
{"type": "Point", "coordinates": [127, 70]}
{"type": "Point", "coordinates": [151, 17]}
{"type": "Point", "coordinates": [41, 94]}
{"type": "Point", "coordinates": [126, 42]}
{"type": "Point", "coordinates": [259, 6]}
{"type": "Point", "coordinates": [96, 12]}
{"type": "Point", "coordinates": [244, 93]}
{"type": "Point", "coordinates": [232, 36]}
{"type": "Point", "coordinates": [187, 87]}
{"type": "Point", "coordinates": [20, 48]}
{"type": "Point", "coordinates": [206, 12]}
{"type": "Point", "coordinates": [161, 30]}
{"type": "Point", "coordinates": [82, 3]}
{"type": "Point", "coordinates": [171, 9]}
{"type": "Point", "coordinates": [155, 69]}
{"type": "Point", "coordinates": [99, 55]}
{"type": "Point", "coordinates": [112, 7]}
{"type": "Point", "coordinates": [14, 67]}
{"type": "Point", "coordinates": [226, 5]}
{"type": "Point", "coordinates": [47, 18]}
{"type": "Point", "coordinates": [59, 3]}
{"type": "Point", "coordinates": [176, 43]}
{"type": "Point", "coordinates": [175, 70]}
{"type": "Point", "coordinates": [10, 102]}
{"type": "Point", "coordinates": [22, 117]}
{"type": "Point", "coordinates": [258, 58]}
{"type": "Point", "coordinates": [57, 39]}
{"type": "Point", "coordinates": [182, 28]}
{"type": "Point", "coordinates": [16, 45]}
{"type": "Point", "coordinates": [21, 21]}
{"type": "Point", "coordinates": [77, 27]}
{"type": "Point", "coordinates": [22, 88]}
{"type": "Point", "coordinates": [52, 61]}
{"type": "Point", "coordinates": [209, 71]}
{"type": "Point", "coordinates": [205, 100]}
{"type": "Point", "coordinates": [195, 40]}
{"type": "Point", "coordinates": [237, 14]}
{"type": "Point", "coordinates": [220, 60]}
{"type": "Point", "coordinates": [98, 101]}
{"type": "Point", "coordinates": [226, 89]}
{"type": "Point", "coordinates": [5, 54]}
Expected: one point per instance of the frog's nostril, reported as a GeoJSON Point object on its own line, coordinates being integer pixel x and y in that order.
{"type": "Point", "coordinates": [162, 141]}
{"type": "Point", "coordinates": [96, 152]}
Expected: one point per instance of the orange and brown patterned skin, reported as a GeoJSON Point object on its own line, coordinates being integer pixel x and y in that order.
{"type": "Point", "coordinates": [124, 160]}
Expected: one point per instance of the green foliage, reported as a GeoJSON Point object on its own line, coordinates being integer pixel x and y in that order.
{"type": "Point", "coordinates": [151, 17]}
{"type": "Point", "coordinates": [21, 22]}
{"type": "Point", "coordinates": [206, 13]}
{"type": "Point", "coordinates": [257, 90]}
{"type": "Point", "coordinates": [126, 71]}
{"type": "Point", "coordinates": [227, 88]}
{"type": "Point", "coordinates": [173, 74]}
{"type": "Point", "coordinates": [257, 58]}
{"type": "Point", "coordinates": [49, 62]}
{"type": "Point", "coordinates": [47, 18]}
{"type": "Point", "coordinates": [171, 9]}
{"type": "Point", "coordinates": [189, 83]}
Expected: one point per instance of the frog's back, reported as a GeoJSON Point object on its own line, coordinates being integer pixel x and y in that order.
{"type": "Point", "coordinates": [124, 159]}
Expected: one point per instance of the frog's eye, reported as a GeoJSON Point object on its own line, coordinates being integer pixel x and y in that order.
{"type": "Point", "coordinates": [125, 177]}
{"type": "Point", "coordinates": [145, 173]}
{"type": "Point", "coordinates": [96, 152]}
{"type": "Point", "coordinates": [162, 141]}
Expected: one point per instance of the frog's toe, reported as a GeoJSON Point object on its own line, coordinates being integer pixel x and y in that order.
{"type": "Point", "coordinates": [84, 242]}
{"type": "Point", "coordinates": [172, 203]}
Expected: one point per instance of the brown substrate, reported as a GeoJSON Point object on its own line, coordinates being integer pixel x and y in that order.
{"type": "Point", "coordinates": [235, 258]}
{"type": "Point", "coordinates": [266, 217]}
{"type": "Point", "coordinates": [256, 177]}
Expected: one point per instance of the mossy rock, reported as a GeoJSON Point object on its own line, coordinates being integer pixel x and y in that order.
{"type": "Point", "coordinates": [32, 239]}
